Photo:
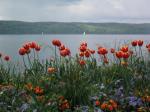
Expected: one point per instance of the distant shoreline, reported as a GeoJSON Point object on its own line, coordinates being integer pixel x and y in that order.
{"type": "Point", "coordinates": [71, 28]}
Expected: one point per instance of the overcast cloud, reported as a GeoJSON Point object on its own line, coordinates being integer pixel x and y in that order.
{"type": "Point", "coordinates": [136, 11]}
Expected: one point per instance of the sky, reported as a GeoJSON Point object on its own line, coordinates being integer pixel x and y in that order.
{"type": "Point", "coordinates": [125, 11]}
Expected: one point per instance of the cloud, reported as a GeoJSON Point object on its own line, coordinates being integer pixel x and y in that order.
{"type": "Point", "coordinates": [76, 10]}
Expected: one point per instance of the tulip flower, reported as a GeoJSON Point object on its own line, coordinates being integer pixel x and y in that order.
{"type": "Point", "coordinates": [82, 62]}
{"type": "Point", "coordinates": [140, 43]}
{"type": "Point", "coordinates": [51, 70]}
{"type": "Point", "coordinates": [97, 103]}
{"type": "Point", "coordinates": [83, 44]}
{"type": "Point", "coordinates": [92, 51]}
{"type": "Point", "coordinates": [81, 54]}
{"type": "Point", "coordinates": [126, 55]}
{"type": "Point", "coordinates": [63, 53]}
{"type": "Point", "coordinates": [62, 47]}
{"type": "Point", "coordinates": [104, 106]}
{"type": "Point", "coordinates": [38, 90]}
{"type": "Point", "coordinates": [56, 43]}
{"type": "Point", "coordinates": [6, 58]}
{"type": "Point", "coordinates": [87, 54]}
{"type": "Point", "coordinates": [134, 43]}
{"type": "Point", "coordinates": [26, 46]}
{"type": "Point", "coordinates": [119, 54]}
{"type": "Point", "coordinates": [102, 51]}
{"type": "Point", "coordinates": [124, 49]}
{"type": "Point", "coordinates": [33, 45]}
{"type": "Point", "coordinates": [22, 51]}
{"type": "Point", "coordinates": [83, 48]}
{"type": "Point", "coordinates": [110, 107]}
{"type": "Point", "coordinates": [37, 48]}
{"type": "Point", "coordinates": [112, 50]}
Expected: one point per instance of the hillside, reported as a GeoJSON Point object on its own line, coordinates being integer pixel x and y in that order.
{"type": "Point", "coordinates": [19, 27]}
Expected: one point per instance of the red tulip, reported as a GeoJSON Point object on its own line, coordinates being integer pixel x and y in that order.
{"type": "Point", "coordinates": [134, 43]}
{"type": "Point", "coordinates": [65, 52]}
{"type": "Point", "coordinates": [102, 51]}
{"type": "Point", "coordinates": [92, 51]}
{"type": "Point", "coordinates": [62, 47]}
{"type": "Point", "coordinates": [33, 45]}
{"type": "Point", "coordinates": [37, 48]}
{"type": "Point", "coordinates": [26, 46]}
{"type": "Point", "coordinates": [68, 51]}
{"type": "Point", "coordinates": [22, 51]}
{"type": "Point", "coordinates": [112, 50]}
{"type": "Point", "coordinates": [126, 55]}
{"type": "Point", "coordinates": [83, 48]}
{"type": "Point", "coordinates": [56, 43]}
{"type": "Point", "coordinates": [119, 54]}
{"type": "Point", "coordinates": [140, 42]}
{"type": "Point", "coordinates": [6, 58]}
{"type": "Point", "coordinates": [28, 51]}
{"type": "Point", "coordinates": [124, 49]}
{"type": "Point", "coordinates": [87, 54]}
{"type": "Point", "coordinates": [83, 44]}
{"type": "Point", "coordinates": [82, 62]}
{"type": "Point", "coordinates": [81, 54]}
{"type": "Point", "coordinates": [97, 102]}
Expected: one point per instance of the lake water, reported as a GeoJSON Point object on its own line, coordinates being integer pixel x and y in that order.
{"type": "Point", "coordinates": [9, 44]}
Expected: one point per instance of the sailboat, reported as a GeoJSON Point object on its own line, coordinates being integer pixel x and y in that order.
{"type": "Point", "coordinates": [84, 34]}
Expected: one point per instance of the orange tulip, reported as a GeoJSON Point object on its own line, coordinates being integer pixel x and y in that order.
{"type": "Point", "coordinates": [104, 106]}
{"type": "Point", "coordinates": [38, 90]}
{"type": "Point", "coordinates": [51, 70]}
